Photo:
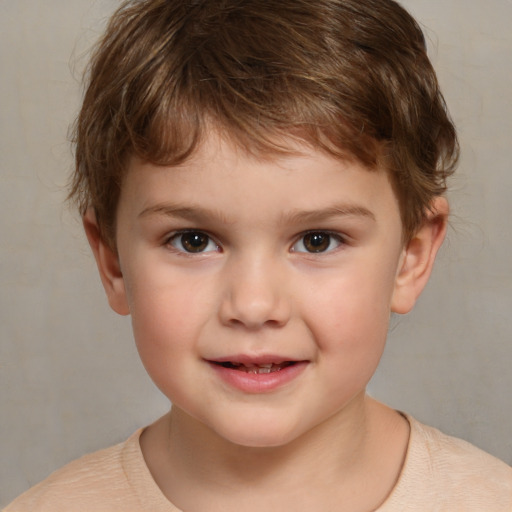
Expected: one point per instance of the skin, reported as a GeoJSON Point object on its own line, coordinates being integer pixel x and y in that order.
{"type": "Point", "coordinates": [256, 289]}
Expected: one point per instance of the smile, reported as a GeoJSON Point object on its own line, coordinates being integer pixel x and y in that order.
{"type": "Point", "coordinates": [258, 375]}
{"type": "Point", "coordinates": [257, 368]}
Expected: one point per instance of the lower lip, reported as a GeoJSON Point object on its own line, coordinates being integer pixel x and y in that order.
{"type": "Point", "coordinates": [259, 382]}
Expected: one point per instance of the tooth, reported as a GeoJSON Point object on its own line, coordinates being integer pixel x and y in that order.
{"type": "Point", "coordinates": [258, 368]}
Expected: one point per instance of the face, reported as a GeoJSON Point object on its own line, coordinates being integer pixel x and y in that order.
{"type": "Point", "coordinates": [260, 290]}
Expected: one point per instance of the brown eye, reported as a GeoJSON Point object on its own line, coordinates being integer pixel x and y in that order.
{"type": "Point", "coordinates": [193, 242]}
{"type": "Point", "coordinates": [317, 241]}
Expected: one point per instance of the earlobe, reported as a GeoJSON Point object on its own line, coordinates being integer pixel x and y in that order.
{"type": "Point", "coordinates": [418, 257]}
{"type": "Point", "coordinates": [108, 265]}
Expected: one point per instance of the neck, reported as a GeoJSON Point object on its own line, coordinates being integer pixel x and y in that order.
{"type": "Point", "coordinates": [336, 458]}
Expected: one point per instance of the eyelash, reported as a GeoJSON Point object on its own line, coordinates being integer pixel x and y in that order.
{"type": "Point", "coordinates": [179, 236]}
{"type": "Point", "coordinates": [331, 237]}
{"type": "Point", "coordinates": [203, 241]}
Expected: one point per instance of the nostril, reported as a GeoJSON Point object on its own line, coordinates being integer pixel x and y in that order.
{"type": "Point", "coordinates": [254, 301]}
{"type": "Point", "coordinates": [254, 325]}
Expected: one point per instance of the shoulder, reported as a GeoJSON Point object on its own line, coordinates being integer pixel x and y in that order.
{"type": "Point", "coordinates": [457, 459]}
{"type": "Point", "coordinates": [451, 474]}
{"type": "Point", "coordinates": [104, 480]}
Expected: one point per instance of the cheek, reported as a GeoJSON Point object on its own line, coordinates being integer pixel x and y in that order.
{"type": "Point", "coordinates": [165, 329]}
{"type": "Point", "coordinates": [351, 312]}
{"type": "Point", "coordinates": [162, 319]}
{"type": "Point", "coordinates": [167, 311]}
{"type": "Point", "coordinates": [350, 331]}
{"type": "Point", "coordinates": [366, 294]}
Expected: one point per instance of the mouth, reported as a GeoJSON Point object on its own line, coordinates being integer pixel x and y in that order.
{"type": "Point", "coordinates": [258, 374]}
{"type": "Point", "coordinates": [255, 368]}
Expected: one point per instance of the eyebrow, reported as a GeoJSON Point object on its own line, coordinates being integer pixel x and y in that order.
{"type": "Point", "coordinates": [343, 210]}
{"type": "Point", "coordinates": [192, 213]}
{"type": "Point", "coordinates": [200, 214]}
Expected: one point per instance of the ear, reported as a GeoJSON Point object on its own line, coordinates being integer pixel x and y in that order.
{"type": "Point", "coordinates": [417, 259]}
{"type": "Point", "coordinates": [108, 265]}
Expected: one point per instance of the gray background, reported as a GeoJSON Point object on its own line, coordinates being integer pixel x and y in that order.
{"type": "Point", "coordinates": [70, 379]}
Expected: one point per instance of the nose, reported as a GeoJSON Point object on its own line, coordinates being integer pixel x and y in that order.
{"type": "Point", "coordinates": [254, 295]}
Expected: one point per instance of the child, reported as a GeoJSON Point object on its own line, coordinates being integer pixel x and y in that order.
{"type": "Point", "coordinates": [262, 185]}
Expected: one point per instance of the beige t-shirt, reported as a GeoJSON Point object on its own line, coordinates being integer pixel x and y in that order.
{"type": "Point", "coordinates": [440, 473]}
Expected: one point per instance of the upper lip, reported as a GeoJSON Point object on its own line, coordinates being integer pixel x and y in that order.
{"type": "Point", "coordinates": [255, 360]}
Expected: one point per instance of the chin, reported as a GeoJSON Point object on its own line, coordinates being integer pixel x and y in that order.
{"type": "Point", "coordinates": [257, 434]}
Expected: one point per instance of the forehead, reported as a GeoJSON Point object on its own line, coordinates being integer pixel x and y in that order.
{"type": "Point", "coordinates": [223, 177]}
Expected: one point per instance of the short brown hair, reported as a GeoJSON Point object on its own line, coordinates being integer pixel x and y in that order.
{"type": "Point", "coordinates": [349, 76]}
